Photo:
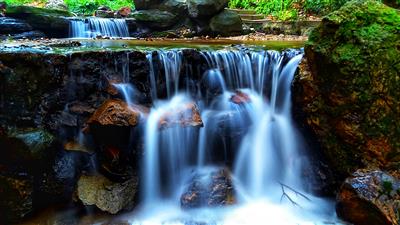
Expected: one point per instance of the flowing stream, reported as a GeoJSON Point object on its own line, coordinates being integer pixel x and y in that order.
{"type": "Point", "coordinates": [92, 27]}
{"type": "Point", "coordinates": [248, 93]}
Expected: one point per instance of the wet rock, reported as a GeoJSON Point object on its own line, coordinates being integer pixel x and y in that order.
{"type": "Point", "coordinates": [106, 195]}
{"type": "Point", "coordinates": [226, 23]}
{"type": "Point", "coordinates": [104, 13]}
{"type": "Point", "coordinates": [205, 8]}
{"type": "Point", "coordinates": [57, 183]}
{"type": "Point", "coordinates": [10, 25]}
{"type": "Point", "coordinates": [25, 35]}
{"type": "Point", "coordinates": [369, 197]}
{"type": "Point", "coordinates": [52, 22]}
{"type": "Point", "coordinates": [146, 4]}
{"type": "Point", "coordinates": [187, 115]}
{"type": "Point", "coordinates": [209, 189]}
{"type": "Point", "coordinates": [240, 98]}
{"type": "Point", "coordinates": [155, 18]}
{"type": "Point", "coordinates": [347, 91]}
{"type": "Point", "coordinates": [115, 112]}
{"type": "Point", "coordinates": [16, 194]}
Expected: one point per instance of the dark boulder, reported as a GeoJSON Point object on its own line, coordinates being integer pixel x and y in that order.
{"type": "Point", "coordinates": [226, 23]}
{"type": "Point", "coordinates": [177, 7]}
{"type": "Point", "coordinates": [205, 8]}
{"type": "Point", "coordinates": [155, 18]}
{"type": "Point", "coordinates": [369, 197]}
{"type": "Point", "coordinates": [347, 90]}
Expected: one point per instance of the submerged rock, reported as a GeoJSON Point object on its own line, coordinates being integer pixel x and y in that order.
{"type": "Point", "coordinates": [209, 189]}
{"type": "Point", "coordinates": [369, 197]}
{"type": "Point", "coordinates": [227, 23]}
{"type": "Point", "coordinates": [187, 115]}
{"type": "Point", "coordinates": [347, 88]}
{"type": "Point", "coordinates": [106, 195]}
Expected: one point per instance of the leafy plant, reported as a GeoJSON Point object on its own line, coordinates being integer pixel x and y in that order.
{"type": "Point", "coordinates": [87, 7]}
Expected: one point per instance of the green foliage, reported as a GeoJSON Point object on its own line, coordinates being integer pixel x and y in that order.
{"type": "Point", "coordinates": [322, 7]}
{"type": "Point", "coordinates": [24, 2]}
{"type": "Point", "coordinates": [87, 7]}
{"type": "Point", "coordinates": [282, 9]}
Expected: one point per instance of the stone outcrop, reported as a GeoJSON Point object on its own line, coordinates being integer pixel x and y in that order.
{"type": "Point", "coordinates": [106, 195]}
{"type": "Point", "coordinates": [347, 90]}
{"type": "Point", "coordinates": [53, 22]}
{"type": "Point", "coordinates": [369, 197]}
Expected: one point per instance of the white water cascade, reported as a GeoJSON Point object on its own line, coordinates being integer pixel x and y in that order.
{"type": "Point", "coordinates": [250, 96]}
{"type": "Point", "coordinates": [92, 27]}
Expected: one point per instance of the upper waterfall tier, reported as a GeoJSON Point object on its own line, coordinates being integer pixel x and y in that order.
{"type": "Point", "coordinates": [93, 27]}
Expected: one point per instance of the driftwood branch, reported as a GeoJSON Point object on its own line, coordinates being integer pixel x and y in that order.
{"type": "Point", "coordinates": [285, 195]}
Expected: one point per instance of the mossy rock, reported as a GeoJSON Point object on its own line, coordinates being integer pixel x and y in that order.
{"type": "Point", "coordinates": [52, 22]}
{"type": "Point", "coordinates": [226, 23]}
{"type": "Point", "coordinates": [348, 89]}
{"type": "Point", "coordinates": [21, 10]}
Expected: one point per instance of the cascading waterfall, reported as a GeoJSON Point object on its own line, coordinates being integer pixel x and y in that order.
{"type": "Point", "coordinates": [251, 95]}
{"type": "Point", "coordinates": [93, 27]}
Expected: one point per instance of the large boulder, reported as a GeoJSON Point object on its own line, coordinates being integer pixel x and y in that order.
{"type": "Point", "coordinates": [177, 7]}
{"type": "Point", "coordinates": [205, 8]}
{"type": "Point", "coordinates": [369, 197]}
{"type": "Point", "coordinates": [347, 90]}
{"type": "Point", "coordinates": [106, 195]}
{"type": "Point", "coordinates": [226, 23]}
{"type": "Point", "coordinates": [53, 22]}
{"type": "Point", "coordinates": [155, 18]}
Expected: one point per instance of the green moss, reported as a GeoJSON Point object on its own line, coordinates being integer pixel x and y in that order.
{"type": "Point", "coordinates": [13, 10]}
{"type": "Point", "coordinates": [355, 52]}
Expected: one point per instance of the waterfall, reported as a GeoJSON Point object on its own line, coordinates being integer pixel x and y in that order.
{"type": "Point", "coordinates": [245, 112]}
{"type": "Point", "coordinates": [93, 27]}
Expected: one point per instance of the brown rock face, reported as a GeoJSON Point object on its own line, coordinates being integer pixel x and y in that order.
{"type": "Point", "coordinates": [369, 197]}
{"type": "Point", "coordinates": [186, 116]}
{"type": "Point", "coordinates": [115, 113]}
